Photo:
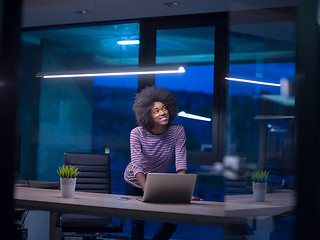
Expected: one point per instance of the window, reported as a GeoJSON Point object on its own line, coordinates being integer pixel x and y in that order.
{"type": "Point", "coordinates": [95, 114]}
{"type": "Point", "coordinates": [80, 115]}
{"type": "Point", "coordinates": [194, 49]}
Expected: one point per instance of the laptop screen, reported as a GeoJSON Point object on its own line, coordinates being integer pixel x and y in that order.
{"type": "Point", "coordinates": [169, 187]}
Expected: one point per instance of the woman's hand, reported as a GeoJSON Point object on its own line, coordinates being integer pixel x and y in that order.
{"type": "Point", "coordinates": [141, 178]}
{"type": "Point", "coordinates": [196, 198]}
{"type": "Point", "coordinates": [193, 197]}
{"type": "Point", "coordinates": [182, 172]}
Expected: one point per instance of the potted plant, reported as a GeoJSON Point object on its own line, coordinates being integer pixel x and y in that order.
{"type": "Point", "coordinates": [259, 184]}
{"type": "Point", "coordinates": [68, 176]}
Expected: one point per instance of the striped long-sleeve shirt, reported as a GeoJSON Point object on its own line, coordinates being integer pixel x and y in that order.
{"type": "Point", "coordinates": [155, 153]}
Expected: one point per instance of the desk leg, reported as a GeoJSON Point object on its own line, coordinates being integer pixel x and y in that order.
{"type": "Point", "coordinates": [234, 230]}
{"type": "Point", "coordinates": [55, 232]}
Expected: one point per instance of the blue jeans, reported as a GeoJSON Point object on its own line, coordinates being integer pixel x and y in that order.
{"type": "Point", "coordinates": [137, 231]}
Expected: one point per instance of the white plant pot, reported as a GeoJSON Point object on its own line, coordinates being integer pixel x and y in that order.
{"type": "Point", "coordinates": [67, 186]}
{"type": "Point", "coordinates": [259, 191]}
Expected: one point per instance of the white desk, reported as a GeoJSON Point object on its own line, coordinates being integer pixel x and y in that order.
{"type": "Point", "coordinates": [275, 204]}
{"type": "Point", "coordinates": [236, 208]}
{"type": "Point", "coordinates": [199, 212]}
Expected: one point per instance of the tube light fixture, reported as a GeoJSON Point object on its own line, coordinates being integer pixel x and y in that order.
{"type": "Point", "coordinates": [128, 42]}
{"type": "Point", "coordinates": [112, 72]}
{"type": "Point", "coordinates": [252, 81]}
{"type": "Point", "coordinates": [192, 116]}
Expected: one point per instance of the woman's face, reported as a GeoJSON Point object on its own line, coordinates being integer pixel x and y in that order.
{"type": "Point", "coordinates": [160, 114]}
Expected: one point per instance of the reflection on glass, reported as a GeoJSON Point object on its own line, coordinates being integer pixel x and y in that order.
{"type": "Point", "coordinates": [185, 45]}
{"type": "Point", "coordinates": [260, 123]}
{"type": "Point", "coordinates": [85, 47]}
{"type": "Point", "coordinates": [269, 58]}
{"type": "Point", "coordinates": [252, 108]}
{"type": "Point", "coordinates": [247, 101]}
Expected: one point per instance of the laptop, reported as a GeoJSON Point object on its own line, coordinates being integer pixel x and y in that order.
{"type": "Point", "coordinates": [169, 188]}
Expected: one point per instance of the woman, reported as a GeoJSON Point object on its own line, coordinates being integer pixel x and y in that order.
{"type": "Point", "coordinates": [154, 144]}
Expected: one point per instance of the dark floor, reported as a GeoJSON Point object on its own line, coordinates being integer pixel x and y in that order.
{"type": "Point", "coordinates": [282, 229]}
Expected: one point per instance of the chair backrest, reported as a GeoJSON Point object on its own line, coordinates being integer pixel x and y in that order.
{"type": "Point", "coordinates": [95, 174]}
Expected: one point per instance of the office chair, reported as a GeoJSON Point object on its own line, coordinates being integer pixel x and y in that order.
{"type": "Point", "coordinates": [95, 176]}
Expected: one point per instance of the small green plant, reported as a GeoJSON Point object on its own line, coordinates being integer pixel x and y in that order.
{"type": "Point", "coordinates": [68, 171]}
{"type": "Point", "coordinates": [260, 176]}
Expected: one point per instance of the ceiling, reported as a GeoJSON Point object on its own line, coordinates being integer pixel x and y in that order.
{"type": "Point", "coordinates": [56, 12]}
{"type": "Point", "coordinates": [276, 24]}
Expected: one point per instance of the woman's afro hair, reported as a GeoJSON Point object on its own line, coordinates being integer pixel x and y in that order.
{"type": "Point", "coordinates": [145, 100]}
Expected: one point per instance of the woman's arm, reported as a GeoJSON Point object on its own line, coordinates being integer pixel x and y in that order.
{"type": "Point", "coordinates": [181, 150]}
{"type": "Point", "coordinates": [136, 156]}
{"type": "Point", "coordinates": [141, 178]}
{"type": "Point", "coordinates": [185, 172]}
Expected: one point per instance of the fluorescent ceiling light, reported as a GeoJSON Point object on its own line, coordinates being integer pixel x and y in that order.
{"type": "Point", "coordinates": [252, 81]}
{"type": "Point", "coordinates": [128, 42]}
{"type": "Point", "coordinates": [192, 116]}
{"type": "Point", "coordinates": [112, 72]}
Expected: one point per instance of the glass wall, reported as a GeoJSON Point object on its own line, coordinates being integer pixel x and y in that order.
{"type": "Point", "coordinates": [76, 115]}
{"type": "Point", "coordinates": [95, 114]}
{"type": "Point", "coordinates": [260, 125]}
{"type": "Point", "coordinates": [261, 110]}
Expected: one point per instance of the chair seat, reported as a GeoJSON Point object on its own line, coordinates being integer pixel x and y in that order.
{"type": "Point", "coordinates": [87, 223]}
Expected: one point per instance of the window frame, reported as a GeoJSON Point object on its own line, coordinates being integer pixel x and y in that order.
{"type": "Point", "coordinates": [147, 56]}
